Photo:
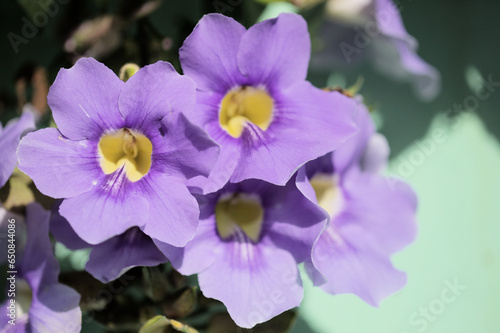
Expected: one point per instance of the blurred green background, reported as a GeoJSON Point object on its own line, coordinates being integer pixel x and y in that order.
{"type": "Point", "coordinates": [457, 180]}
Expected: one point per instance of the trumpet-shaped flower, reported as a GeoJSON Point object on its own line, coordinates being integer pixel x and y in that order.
{"type": "Point", "coordinates": [373, 30]}
{"type": "Point", "coordinates": [122, 152]}
{"type": "Point", "coordinates": [42, 304]}
{"type": "Point", "coordinates": [372, 217]}
{"type": "Point", "coordinates": [253, 100]}
{"type": "Point", "coordinates": [250, 239]}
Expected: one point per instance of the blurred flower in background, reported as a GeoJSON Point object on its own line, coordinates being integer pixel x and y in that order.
{"type": "Point", "coordinates": [96, 38]}
{"type": "Point", "coordinates": [42, 303]}
{"type": "Point", "coordinates": [9, 139]}
{"type": "Point", "coordinates": [372, 217]}
{"type": "Point", "coordinates": [350, 32]}
{"type": "Point", "coordinates": [101, 36]}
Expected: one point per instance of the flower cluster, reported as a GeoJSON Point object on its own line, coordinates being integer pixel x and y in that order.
{"type": "Point", "coordinates": [237, 171]}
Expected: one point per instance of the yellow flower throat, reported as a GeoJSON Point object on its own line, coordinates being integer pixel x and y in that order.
{"type": "Point", "coordinates": [239, 212]}
{"type": "Point", "coordinates": [125, 148]}
{"type": "Point", "coordinates": [245, 104]}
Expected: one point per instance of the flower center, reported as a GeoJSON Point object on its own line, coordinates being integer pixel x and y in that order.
{"type": "Point", "coordinates": [328, 193]}
{"type": "Point", "coordinates": [128, 149]}
{"type": "Point", "coordinates": [245, 104]}
{"type": "Point", "coordinates": [239, 212]}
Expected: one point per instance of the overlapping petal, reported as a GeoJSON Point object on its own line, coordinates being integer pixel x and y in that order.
{"type": "Point", "coordinates": [296, 222]}
{"type": "Point", "coordinates": [209, 54]}
{"type": "Point", "coordinates": [60, 167]}
{"type": "Point", "coordinates": [106, 211]}
{"type": "Point", "coordinates": [63, 232]}
{"type": "Point", "coordinates": [351, 152]}
{"type": "Point", "coordinates": [84, 100]}
{"type": "Point", "coordinates": [255, 283]}
{"type": "Point", "coordinates": [112, 258]}
{"type": "Point", "coordinates": [174, 218]}
{"type": "Point", "coordinates": [186, 151]}
{"type": "Point", "coordinates": [9, 139]}
{"type": "Point", "coordinates": [200, 253]}
{"type": "Point", "coordinates": [38, 264]}
{"type": "Point", "coordinates": [383, 207]}
{"type": "Point", "coordinates": [109, 260]}
{"type": "Point", "coordinates": [21, 325]}
{"type": "Point", "coordinates": [154, 92]}
{"type": "Point", "coordinates": [376, 154]}
{"type": "Point", "coordinates": [276, 52]}
{"type": "Point", "coordinates": [352, 267]}
{"type": "Point", "coordinates": [54, 307]}
{"type": "Point", "coordinates": [308, 117]}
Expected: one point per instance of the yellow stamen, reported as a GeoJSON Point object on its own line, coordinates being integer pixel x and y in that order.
{"type": "Point", "coordinates": [126, 148]}
{"type": "Point", "coordinates": [245, 104]}
{"type": "Point", "coordinates": [242, 212]}
{"type": "Point", "coordinates": [127, 71]}
{"type": "Point", "coordinates": [328, 193]}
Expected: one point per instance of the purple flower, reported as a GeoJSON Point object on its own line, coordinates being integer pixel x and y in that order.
{"type": "Point", "coordinates": [54, 306]}
{"type": "Point", "coordinates": [112, 258]}
{"type": "Point", "coordinates": [122, 152]}
{"type": "Point", "coordinates": [371, 217]}
{"type": "Point", "coordinates": [373, 30]}
{"type": "Point", "coordinates": [9, 139]}
{"type": "Point", "coordinates": [253, 100]}
{"type": "Point", "coordinates": [250, 239]}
